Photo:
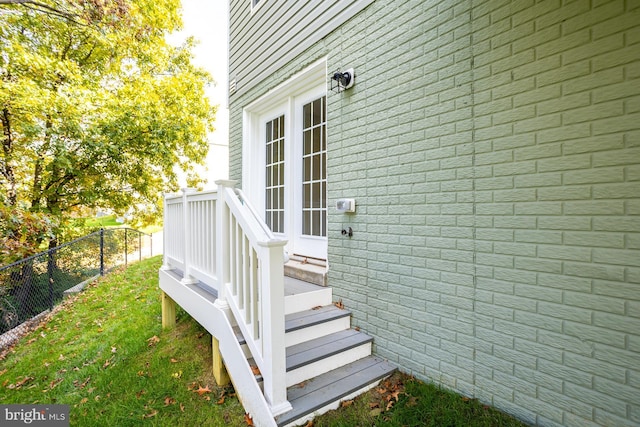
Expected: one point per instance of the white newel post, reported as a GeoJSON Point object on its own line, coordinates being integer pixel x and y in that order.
{"type": "Point", "coordinates": [187, 278]}
{"type": "Point", "coordinates": [272, 307]}
{"type": "Point", "coordinates": [165, 236]}
{"type": "Point", "coordinates": [222, 241]}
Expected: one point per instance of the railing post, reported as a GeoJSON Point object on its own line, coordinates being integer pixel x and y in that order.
{"type": "Point", "coordinates": [102, 251]}
{"type": "Point", "coordinates": [222, 239]}
{"type": "Point", "coordinates": [187, 278]}
{"type": "Point", "coordinates": [274, 346]}
{"type": "Point", "coordinates": [165, 228]}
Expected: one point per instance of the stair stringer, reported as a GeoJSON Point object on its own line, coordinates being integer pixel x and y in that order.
{"type": "Point", "coordinates": [244, 381]}
{"type": "Point", "coordinates": [211, 315]}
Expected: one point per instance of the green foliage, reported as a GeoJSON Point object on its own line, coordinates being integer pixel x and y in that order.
{"type": "Point", "coordinates": [22, 232]}
{"type": "Point", "coordinates": [97, 109]}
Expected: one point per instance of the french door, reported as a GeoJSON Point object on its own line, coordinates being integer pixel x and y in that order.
{"type": "Point", "coordinates": [287, 168]}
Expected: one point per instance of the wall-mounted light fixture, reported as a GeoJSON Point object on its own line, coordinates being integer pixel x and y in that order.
{"type": "Point", "coordinates": [342, 80]}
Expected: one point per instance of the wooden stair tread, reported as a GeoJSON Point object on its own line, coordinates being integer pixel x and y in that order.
{"type": "Point", "coordinates": [320, 348]}
{"type": "Point", "coordinates": [332, 386]}
{"type": "Point", "coordinates": [308, 318]}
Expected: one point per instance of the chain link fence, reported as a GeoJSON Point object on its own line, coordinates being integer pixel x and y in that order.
{"type": "Point", "coordinates": [30, 288]}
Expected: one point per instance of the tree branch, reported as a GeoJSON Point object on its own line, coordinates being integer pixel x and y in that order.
{"type": "Point", "coordinates": [43, 8]}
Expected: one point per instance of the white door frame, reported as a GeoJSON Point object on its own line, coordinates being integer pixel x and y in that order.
{"type": "Point", "coordinates": [288, 99]}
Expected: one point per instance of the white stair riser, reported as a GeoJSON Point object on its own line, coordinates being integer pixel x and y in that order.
{"type": "Point", "coordinates": [316, 331]}
{"type": "Point", "coordinates": [307, 301]}
{"type": "Point", "coordinates": [327, 364]}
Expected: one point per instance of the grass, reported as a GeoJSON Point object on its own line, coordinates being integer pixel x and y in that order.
{"type": "Point", "coordinates": [104, 353]}
{"type": "Point", "coordinates": [111, 221]}
{"type": "Point", "coordinates": [104, 221]}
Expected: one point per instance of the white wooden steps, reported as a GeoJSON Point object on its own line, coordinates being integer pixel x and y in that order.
{"type": "Point", "coordinates": [326, 361]}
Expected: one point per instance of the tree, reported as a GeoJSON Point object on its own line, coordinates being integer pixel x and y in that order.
{"type": "Point", "coordinates": [97, 109]}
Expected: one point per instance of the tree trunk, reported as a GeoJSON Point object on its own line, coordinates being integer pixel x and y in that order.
{"type": "Point", "coordinates": [7, 151]}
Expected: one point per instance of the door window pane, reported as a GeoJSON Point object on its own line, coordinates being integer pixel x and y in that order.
{"type": "Point", "coordinates": [274, 170]}
{"type": "Point", "coordinates": [314, 168]}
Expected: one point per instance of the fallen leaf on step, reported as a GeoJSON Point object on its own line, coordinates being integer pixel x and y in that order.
{"type": "Point", "coordinates": [248, 419]}
{"type": "Point", "coordinates": [317, 307]}
{"type": "Point", "coordinates": [255, 370]}
{"type": "Point", "coordinates": [339, 304]}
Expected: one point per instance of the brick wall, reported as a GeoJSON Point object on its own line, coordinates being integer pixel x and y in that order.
{"type": "Point", "coordinates": [493, 149]}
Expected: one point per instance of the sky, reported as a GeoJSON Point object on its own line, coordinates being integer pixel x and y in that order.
{"type": "Point", "coordinates": [206, 20]}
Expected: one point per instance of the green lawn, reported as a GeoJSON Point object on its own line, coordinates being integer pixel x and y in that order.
{"type": "Point", "coordinates": [104, 221]}
{"type": "Point", "coordinates": [104, 354]}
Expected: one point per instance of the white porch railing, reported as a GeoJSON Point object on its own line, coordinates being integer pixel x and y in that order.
{"type": "Point", "coordinates": [218, 239]}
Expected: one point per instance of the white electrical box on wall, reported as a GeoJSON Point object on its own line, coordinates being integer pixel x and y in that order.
{"type": "Point", "coordinates": [346, 205]}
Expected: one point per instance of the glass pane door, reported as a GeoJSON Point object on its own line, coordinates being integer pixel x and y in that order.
{"type": "Point", "coordinates": [274, 179]}
{"type": "Point", "coordinates": [314, 168]}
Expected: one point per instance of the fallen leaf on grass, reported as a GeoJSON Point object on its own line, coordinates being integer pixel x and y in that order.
{"type": "Point", "coordinates": [53, 384]}
{"type": "Point", "coordinates": [169, 401]}
{"type": "Point", "coordinates": [181, 407]}
{"type": "Point", "coordinates": [375, 412]}
{"type": "Point", "coordinates": [221, 400]}
{"type": "Point", "coordinates": [20, 383]}
{"type": "Point", "coordinates": [150, 414]}
{"type": "Point", "coordinates": [174, 360]}
{"type": "Point", "coordinates": [153, 340]}
{"type": "Point", "coordinates": [83, 384]}
{"type": "Point", "coordinates": [309, 423]}
{"type": "Point", "coordinates": [346, 403]}
{"type": "Point", "coordinates": [202, 390]}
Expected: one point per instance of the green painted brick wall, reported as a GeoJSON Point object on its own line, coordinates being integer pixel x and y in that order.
{"type": "Point", "coordinates": [493, 149]}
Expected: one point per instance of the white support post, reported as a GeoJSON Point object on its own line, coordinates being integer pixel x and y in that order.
{"type": "Point", "coordinates": [222, 240]}
{"type": "Point", "coordinates": [187, 278]}
{"type": "Point", "coordinates": [165, 235]}
{"type": "Point", "coordinates": [274, 348]}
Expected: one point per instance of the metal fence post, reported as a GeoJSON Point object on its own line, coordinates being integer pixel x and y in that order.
{"type": "Point", "coordinates": [102, 251]}
{"type": "Point", "coordinates": [50, 262]}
